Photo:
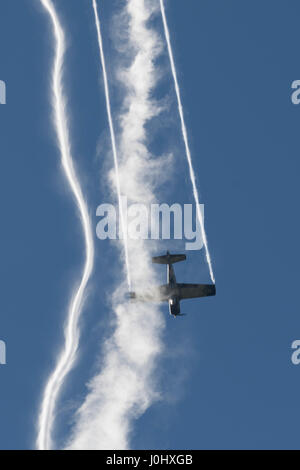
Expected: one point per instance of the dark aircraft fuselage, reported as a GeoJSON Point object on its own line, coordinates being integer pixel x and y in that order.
{"type": "Point", "coordinates": [174, 302]}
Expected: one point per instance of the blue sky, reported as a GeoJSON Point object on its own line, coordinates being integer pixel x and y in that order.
{"type": "Point", "coordinates": [227, 378]}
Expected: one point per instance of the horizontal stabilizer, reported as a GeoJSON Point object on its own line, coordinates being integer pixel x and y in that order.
{"type": "Point", "coordinates": [168, 259]}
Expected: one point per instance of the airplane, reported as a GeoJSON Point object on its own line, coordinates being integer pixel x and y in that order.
{"type": "Point", "coordinates": [173, 292]}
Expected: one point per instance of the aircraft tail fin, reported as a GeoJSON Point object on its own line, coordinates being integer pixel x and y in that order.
{"type": "Point", "coordinates": [168, 259]}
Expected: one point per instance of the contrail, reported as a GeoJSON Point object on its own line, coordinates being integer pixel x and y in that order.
{"type": "Point", "coordinates": [185, 139]}
{"type": "Point", "coordinates": [68, 354]}
{"type": "Point", "coordinates": [125, 385]}
{"type": "Point", "coordinates": [113, 138]}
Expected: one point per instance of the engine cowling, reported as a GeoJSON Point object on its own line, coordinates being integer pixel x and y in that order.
{"type": "Point", "coordinates": [174, 306]}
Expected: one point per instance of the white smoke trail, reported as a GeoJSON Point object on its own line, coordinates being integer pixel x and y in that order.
{"type": "Point", "coordinates": [68, 354]}
{"type": "Point", "coordinates": [185, 139]}
{"type": "Point", "coordinates": [125, 386]}
{"type": "Point", "coordinates": [113, 139]}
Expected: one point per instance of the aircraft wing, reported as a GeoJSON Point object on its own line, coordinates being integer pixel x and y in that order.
{"type": "Point", "coordinates": [153, 294]}
{"type": "Point", "coordinates": [191, 291]}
